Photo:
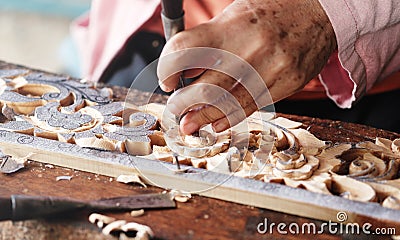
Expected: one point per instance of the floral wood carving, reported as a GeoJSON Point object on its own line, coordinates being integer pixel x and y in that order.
{"type": "Point", "coordinates": [70, 111]}
{"type": "Point", "coordinates": [275, 150]}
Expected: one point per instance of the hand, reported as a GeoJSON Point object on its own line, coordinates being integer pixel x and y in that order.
{"type": "Point", "coordinates": [287, 42]}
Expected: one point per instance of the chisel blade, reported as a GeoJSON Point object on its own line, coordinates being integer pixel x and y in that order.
{"type": "Point", "coordinates": [146, 201]}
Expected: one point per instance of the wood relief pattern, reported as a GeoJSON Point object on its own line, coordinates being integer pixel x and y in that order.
{"type": "Point", "coordinates": [273, 150]}
{"type": "Point", "coordinates": [73, 112]}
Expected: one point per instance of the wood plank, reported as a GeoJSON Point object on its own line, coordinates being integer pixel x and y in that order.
{"type": "Point", "coordinates": [206, 183]}
{"type": "Point", "coordinates": [48, 88]}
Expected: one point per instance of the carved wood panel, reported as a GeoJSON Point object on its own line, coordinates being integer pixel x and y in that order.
{"type": "Point", "coordinates": [73, 124]}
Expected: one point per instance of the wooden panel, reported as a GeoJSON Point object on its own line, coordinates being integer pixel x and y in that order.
{"type": "Point", "coordinates": [240, 190]}
{"type": "Point", "coordinates": [57, 95]}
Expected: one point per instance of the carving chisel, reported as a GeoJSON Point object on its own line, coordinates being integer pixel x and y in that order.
{"type": "Point", "coordinates": [172, 16]}
{"type": "Point", "coordinates": [22, 207]}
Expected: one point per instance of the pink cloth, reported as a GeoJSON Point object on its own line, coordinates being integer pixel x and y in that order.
{"type": "Point", "coordinates": [368, 37]}
{"type": "Point", "coordinates": [367, 32]}
{"type": "Point", "coordinates": [102, 33]}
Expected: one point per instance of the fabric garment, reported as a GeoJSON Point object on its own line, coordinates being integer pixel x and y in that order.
{"type": "Point", "coordinates": [368, 38]}
{"type": "Point", "coordinates": [367, 32]}
{"type": "Point", "coordinates": [102, 33]}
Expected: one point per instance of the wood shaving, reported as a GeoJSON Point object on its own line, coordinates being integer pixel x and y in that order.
{"type": "Point", "coordinates": [121, 228]}
{"type": "Point", "coordinates": [9, 165]}
{"type": "Point", "coordinates": [137, 213]}
{"type": "Point", "coordinates": [143, 232]}
{"type": "Point", "coordinates": [13, 164]}
{"type": "Point", "coordinates": [59, 178]}
{"type": "Point", "coordinates": [49, 166]}
{"type": "Point", "coordinates": [133, 178]}
{"type": "Point", "coordinates": [180, 196]}
{"type": "Point", "coordinates": [114, 226]}
{"type": "Point", "coordinates": [100, 220]}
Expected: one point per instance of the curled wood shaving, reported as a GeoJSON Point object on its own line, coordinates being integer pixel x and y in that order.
{"type": "Point", "coordinates": [113, 227]}
{"type": "Point", "coordinates": [100, 220]}
{"type": "Point", "coordinates": [121, 228]}
{"type": "Point", "coordinates": [133, 178]}
{"type": "Point", "coordinates": [143, 232]}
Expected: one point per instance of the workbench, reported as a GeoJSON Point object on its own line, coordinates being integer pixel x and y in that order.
{"type": "Point", "coordinates": [199, 218]}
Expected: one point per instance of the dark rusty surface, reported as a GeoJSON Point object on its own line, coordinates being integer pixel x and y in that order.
{"type": "Point", "coordinates": [200, 218]}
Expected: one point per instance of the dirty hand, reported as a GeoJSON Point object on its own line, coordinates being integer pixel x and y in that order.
{"type": "Point", "coordinates": [287, 42]}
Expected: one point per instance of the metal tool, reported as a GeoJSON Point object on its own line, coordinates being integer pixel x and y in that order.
{"type": "Point", "coordinates": [172, 16]}
{"type": "Point", "coordinates": [22, 207]}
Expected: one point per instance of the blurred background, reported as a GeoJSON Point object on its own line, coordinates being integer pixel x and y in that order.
{"type": "Point", "coordinates": [35, 33]}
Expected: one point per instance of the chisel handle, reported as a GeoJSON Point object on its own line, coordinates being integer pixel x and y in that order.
{"type": "Point", "coordinates": [5, 209]}
{"type": "Point", "coordinates": [22, 207]}
{"type": "Point", "coordinates": [172, 17]}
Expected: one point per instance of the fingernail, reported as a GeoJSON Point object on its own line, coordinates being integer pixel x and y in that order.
{"type": "Point", "coordinates": [189, 128]}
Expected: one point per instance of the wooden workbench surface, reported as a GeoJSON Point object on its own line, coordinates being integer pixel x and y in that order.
{"type": "Point", "coordinates": [200, 218]}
